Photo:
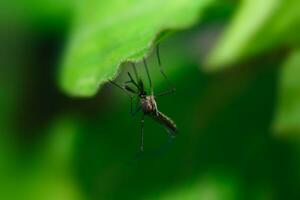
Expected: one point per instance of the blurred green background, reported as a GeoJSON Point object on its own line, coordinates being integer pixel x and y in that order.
{"type": "Point", "coordinates": [239, 127]}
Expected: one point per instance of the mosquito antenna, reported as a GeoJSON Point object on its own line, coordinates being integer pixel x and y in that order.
{"type": "Point", "coordinates": [148, 74]}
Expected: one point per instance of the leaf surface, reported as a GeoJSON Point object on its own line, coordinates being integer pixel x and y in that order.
{"type": "Point", "coordinates": [287, 118]}
{"type": "Point", "coordinates": [108, 33]}
{"type": "Point", "coordinates": [257, 27]}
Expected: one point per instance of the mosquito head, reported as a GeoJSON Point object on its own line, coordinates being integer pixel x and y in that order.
{"type": "Point", "coordinates": [143, 94]}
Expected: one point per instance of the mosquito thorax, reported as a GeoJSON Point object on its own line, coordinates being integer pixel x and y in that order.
{"type": "Point", "coordinates": [148, 104]}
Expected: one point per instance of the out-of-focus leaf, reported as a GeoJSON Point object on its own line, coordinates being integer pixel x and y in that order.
{"type": "Point", "coordinates": [257, 27]}
{"type": "Point", "coordinates": [52, 176]}
{"type": "Point", "coordinates": [107, 33]}
{"type": "Point", "coordinates": [49, 15]}
{"type": "Point", "coordinates": [287, 118]}
{"type": "Point", "coordinates": [210, 187]}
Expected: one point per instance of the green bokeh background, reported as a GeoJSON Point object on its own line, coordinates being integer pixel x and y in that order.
{"type": "Point", "coordinates": [54, 147]}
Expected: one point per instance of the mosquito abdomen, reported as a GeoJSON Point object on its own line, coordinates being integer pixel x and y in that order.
{"type": "Point", "coordinates": [166, 121]}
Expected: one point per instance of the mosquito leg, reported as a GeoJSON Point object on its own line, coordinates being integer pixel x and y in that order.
{"type": "Point", "coordinates": [160, 66]}
{"type": "Point", "coordinates": [138, 109]}
{"type": "Point", "coordinates": [142, 133]}
{"type": "Point", "coordinates": [172, 88]}
{"type": "Point", "coordinates": [128, 94]}
{"type": "Point", "coordinates": [120, 87]}
{"type": "Point", "coordinates": [137, 105]}
{"type": "Point", "coordinates": [167, 92]}
{"type": "Point", "coordinates": [135, 71]}
{"type": "Point", "coordinates": [131, 109]}
{"type": "Point", "coordinates": [148, 74]}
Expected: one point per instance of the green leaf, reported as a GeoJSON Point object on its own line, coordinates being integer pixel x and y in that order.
{"type": "Point", "coordinates": [215, 185]}
{"type": "Point", "coordinates": [51, 176]}
{"type": "Point", "coordinates": [108, 33]}
{"type": "Point", "coordinates": [257, 27]}
{"type": "Point", "coordinates": [287, 118]}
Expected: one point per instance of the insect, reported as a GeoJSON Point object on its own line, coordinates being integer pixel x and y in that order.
{"type": "Point", "coordinates": [135, 88]}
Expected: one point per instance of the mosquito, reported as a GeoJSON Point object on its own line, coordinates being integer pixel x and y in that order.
{"type": "Point", "coordinates": [146, 102]}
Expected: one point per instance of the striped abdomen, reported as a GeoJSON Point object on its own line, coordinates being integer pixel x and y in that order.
{"type": "Point", "coordinates": [166, 121]}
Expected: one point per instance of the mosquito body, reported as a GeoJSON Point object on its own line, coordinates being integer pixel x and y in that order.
{"type": "Point", "coordinates": [146, 101]}
{"type": "Point", "coordinates": [149, 108]}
